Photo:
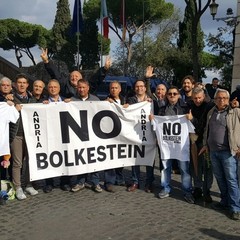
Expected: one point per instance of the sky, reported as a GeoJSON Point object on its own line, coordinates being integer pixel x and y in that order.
{"type": "Point", "coordinates": [43, 12]}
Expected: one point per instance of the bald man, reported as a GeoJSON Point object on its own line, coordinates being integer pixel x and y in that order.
{"type": "Point", "coordinates": [68, 86]}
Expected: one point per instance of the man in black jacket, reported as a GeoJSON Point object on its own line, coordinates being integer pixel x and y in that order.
{"type": "Point", "coordinates": [69, 85]}
{"type": "Point", "coordinates": [204, 178]}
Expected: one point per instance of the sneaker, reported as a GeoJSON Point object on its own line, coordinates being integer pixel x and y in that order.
{"type": "Point", "coordinates": [189, 198]}
{"type": "Point", "coordinates": [20, 194]}
{"type": "Point", "coordinates": [78, 187]}
{"type": "Point", "coordinates": [235, 216]}
{"type": "Point", "coordinates": [218, 206]}
{"type": "Point", "coordinates": [97, 188]}
{"type": "Point", "coordinates": [31, 191]}
{"type": "Point", "coordinates": [163, 194]}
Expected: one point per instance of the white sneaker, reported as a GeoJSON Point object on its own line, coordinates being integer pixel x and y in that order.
{"type": "Point", "coordinates": [31, 191]}
{"type": "Point", "coordinates": [97, 188]}
{"type": "Point", "coordinates": [20, 194]}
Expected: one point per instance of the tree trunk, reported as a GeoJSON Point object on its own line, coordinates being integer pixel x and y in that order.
{"type": "Point", "coordinates": [195, 55]}
{"type": "Point", "coordinates": [18, 57]}
{"type": "Point", "coordinates": [28, 52]}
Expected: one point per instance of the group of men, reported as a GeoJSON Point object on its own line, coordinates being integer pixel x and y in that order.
{"type": "Point", "coordinates": [216, 135]}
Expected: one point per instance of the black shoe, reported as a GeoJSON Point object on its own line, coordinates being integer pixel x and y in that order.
{"type": "Point", "coordinates": [197, 193]}
{"type": "Point", "coordinates": [122, 184]}
{"type": "Point", "coordinates": [2, 201]}
{"type": "Point", "coordinates": [148, 188]}
{"type": "Point", "coordinates": [207, 198]}
{"type": "Point", "coordinates": [235, 216]}
{"type": "Point", "coordinates": [189, 198]}
{"type": "Point", "coordinates": [47, 188]}
{"type": "Point", "coordinates": [218, 206]}
{"type": "Point", "coordinates": [65, 187]}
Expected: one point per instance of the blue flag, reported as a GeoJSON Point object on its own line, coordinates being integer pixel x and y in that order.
{"type": "Point", "coordinates": [77, 22]}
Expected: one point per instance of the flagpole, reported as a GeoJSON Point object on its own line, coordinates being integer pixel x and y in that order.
{"type": "Point", "coordinates": [123, 37]}
{"type": "Point", "coordinates": [143, 39]}
{"type": "Point", "coordinates": [101, 58]}
{"type": "Point", "coordinates": [78, 33]}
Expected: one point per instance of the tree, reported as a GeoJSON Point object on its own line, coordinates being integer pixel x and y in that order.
{"type": "Point", "coordinates": [63, 42]}
{"type": "Point", "coordinates": [221, 45]}
{"type": "Point", "coordinates": [62, 23]}
{"type": "Point", "coordinates": [197, 11]}
{"type": "Point", "coordinates": [89, 45]}
{"type": "Point", "coordinates": [139, 15]}
{"type": "Point", "coordinates": [21, 37]}
{"type": "Point", "coordinates": [185, 43]}
{"type": "Point", "coordinates": [92, 43]}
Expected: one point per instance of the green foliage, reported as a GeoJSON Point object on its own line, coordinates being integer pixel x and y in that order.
{"type": "Point", "coordinates": [92, 43]}
{"type": "Point", "coordinates": [61, 44]}
{"type": "Point", "coordinates": [62, 22]}
{"type": "Point", "coordinates": [187, 41]}
{"type": "Point", "coordinates": [136, 21]}
{"type": "Point", "coordinates": [211, 61]}
{"type": "Point", "coordinates": [158, 50]}
{"type": "Point", "coordinates": [89, 48]}
{"type": "Point", "coordinates": [154, 11]}
{"type": "Point", "coordinates": [21, 37]}
{"type": "Point", "coordinates": [221, 45]}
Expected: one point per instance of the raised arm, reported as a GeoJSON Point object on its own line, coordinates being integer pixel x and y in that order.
{"type": "Point", "coordinates": [49, 66]}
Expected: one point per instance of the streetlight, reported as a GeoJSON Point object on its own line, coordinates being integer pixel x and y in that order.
{"type": "Point", "coordinates": [229, 19]}
{"type": "Point", "coordinates": [232, 21]}
{"type": "Point", "coordinates": [213, 8]}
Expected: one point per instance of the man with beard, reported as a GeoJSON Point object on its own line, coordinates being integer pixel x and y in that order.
{"type": "Point", "coordinates": [188, 83]}
{"type": "Point", "coordinates": [140, 96]}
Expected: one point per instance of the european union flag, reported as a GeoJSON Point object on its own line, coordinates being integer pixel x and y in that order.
{"type": "Point", "coordinates": [77, 22]}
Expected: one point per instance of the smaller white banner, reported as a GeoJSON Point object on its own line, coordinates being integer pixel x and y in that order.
{"type": "Point", "coordinates": [173, 136]}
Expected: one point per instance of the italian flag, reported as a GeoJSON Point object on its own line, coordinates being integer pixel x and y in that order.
{"type": "Point", "coordinates": [104, 16]}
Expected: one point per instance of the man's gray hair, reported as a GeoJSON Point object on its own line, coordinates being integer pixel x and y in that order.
{"type": "Point", "coordinates": [221, 90]}
{"type": "Point", "coordinates": [197, 90]}
{"type": "Point", "coordinates": [5, 79]}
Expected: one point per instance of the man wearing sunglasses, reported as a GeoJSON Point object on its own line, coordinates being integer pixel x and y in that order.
{"type": "Point", "coordinates": [175, 106]}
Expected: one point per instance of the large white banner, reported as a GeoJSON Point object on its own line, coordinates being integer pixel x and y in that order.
{"type": "Point", "coordinates": [81, 137]}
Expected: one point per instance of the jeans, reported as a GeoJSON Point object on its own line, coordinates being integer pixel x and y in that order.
{"type": "Point", "coordinates": [225, 168]}
{"type": "Point", "coordinates": [204, 179]}
{"type": "Point", "coordinates": [119, 176]}
{"type": "Point", "coordinates": [110, 177]}
{"type": "Point", "coordinates": [185, 176]}
{"type": "Point", "coordinates": [94, 178]}
{"type": "Point", "coordinates": [149, 175]}
{"type": "Point", "coordinates": [114, 176]}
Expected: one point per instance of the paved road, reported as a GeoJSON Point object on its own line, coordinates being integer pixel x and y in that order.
{"type": "Point", "coordinates": [118, 216]}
